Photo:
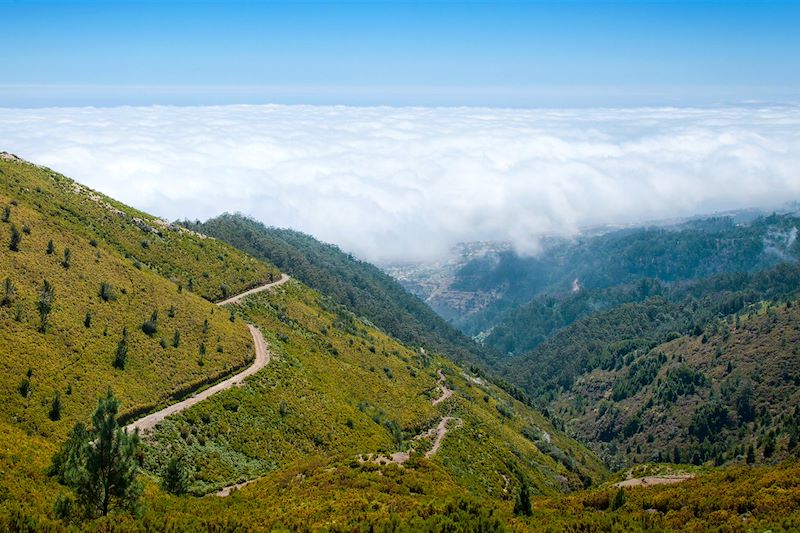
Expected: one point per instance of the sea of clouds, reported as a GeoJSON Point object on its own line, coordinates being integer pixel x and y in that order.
{"type": "Point", "coordinates": [403, 184]}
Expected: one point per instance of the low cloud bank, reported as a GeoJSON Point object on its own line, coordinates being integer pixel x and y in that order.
{"type": "Point", "coordinates": [396, 184]}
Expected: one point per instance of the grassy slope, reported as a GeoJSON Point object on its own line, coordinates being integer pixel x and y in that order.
{"type": "Point", "coordinates": [331, 368]}
{"type": "Point", "coordinates": [760, 355]}
{"type": "Point", "coordinates": [172, 251]}
{"type": "Point", "coordinates": [76, 360]}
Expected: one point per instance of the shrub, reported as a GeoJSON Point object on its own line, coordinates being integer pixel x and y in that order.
{"type": "Point", "coordinates": [150, 326]}
{"type": "Point", "coordinates": [107, 292]}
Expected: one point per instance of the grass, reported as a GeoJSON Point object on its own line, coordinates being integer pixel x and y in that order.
{"type": "Point", "coordinates": [73, 356]}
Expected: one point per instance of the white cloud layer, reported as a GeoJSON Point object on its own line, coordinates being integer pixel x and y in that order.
{"type": "Point", "coordinates": [394, 184]}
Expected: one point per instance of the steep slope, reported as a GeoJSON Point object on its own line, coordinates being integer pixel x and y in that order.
{"type": "Point", "coordinates": [341, 392]}
{"type": "Point", "coordinates": [358, 285]}
{"type": "Point", "coordinates": [121, 309]}
{"type": "Point", "coordinates": [80, 311]}
{"type": "Point", "coordinates": [606, 337]}
{"type": "Point", "coordinates": [729, 392]}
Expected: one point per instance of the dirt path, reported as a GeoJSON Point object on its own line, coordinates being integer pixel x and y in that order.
{"type": "Point", "coordinates": [226, 491]}
{"type": "Point", "coordinates": [235, 299]}
{"type": "Point", "coordinates": [654, 480]}
{"type": "Point", "coordinates": [441, 431]}
{"type": "Point", "coordinates": [437, 433]}
{"type": "Point", "coordinates": [446, 393]}
{"type": "Point", "coordinates": [262, 359]}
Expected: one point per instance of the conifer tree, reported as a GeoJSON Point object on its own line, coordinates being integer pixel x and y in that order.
{"type": "Point", "coordinates": [44, 304]}
{"type": "Point", "coordinates": [175, 479]}
{"type": "Point", "coordinates": [15, 239]}
{"type": "Point", "coordinates": [522, 506]}
{"type": "Point", "coordinates": [100, 464]}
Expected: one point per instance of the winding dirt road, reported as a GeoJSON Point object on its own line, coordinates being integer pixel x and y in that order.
{"type": "Point", "coordinates": [148, 422]}
{"type": "Point", "coordinates": [236, 299]}
{"type": "Point", "coordinates": [446, 393]}
{"type": "Point", "coordinates": [437, 433]}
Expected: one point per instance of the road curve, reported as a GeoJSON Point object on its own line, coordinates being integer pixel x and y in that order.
{"type": "Point", "coordinates": [446, 392]}
{"type": "Point", "coordinates": [262, 359]}
{"type": "Point", "coordinates": [235, 299]}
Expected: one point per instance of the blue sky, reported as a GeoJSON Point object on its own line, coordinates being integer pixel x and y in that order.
{"type": "Point", "coordinates": [516, 53]}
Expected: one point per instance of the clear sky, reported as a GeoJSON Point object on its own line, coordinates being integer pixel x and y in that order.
{"type": "Point", "coordinates": [512, 53]}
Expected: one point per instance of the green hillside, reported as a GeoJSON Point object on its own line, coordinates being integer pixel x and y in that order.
{"type": "Point", "coordinates": [122, 308]}
{"type": "Point", "coordinates": [347, 428]}
{"type": "Point", "coordinates": [358, 285]}
{"type": "Point", "coordinates": [86, 332]}
{"type": "Point", "coordinates": [688, 251]}
{"type": "Point", "coordinates": [729, 394]}
{"type": "Point", "coordinates": [338, 389]}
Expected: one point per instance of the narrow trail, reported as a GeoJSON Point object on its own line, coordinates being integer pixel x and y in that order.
{"type": "Point", "coordinates": [148, 422]}
{"type": "Point", "coordinates": [236, 299]}
{"type": "Point", "coordinates": [446, 393]}
{"type": "Point", "coordinates": [654, 480]}
{"type": "Point", "coordinates": [436, 433]}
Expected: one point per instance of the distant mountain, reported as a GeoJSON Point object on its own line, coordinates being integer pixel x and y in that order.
{"type": "Point", "coordinates": [499, 282]}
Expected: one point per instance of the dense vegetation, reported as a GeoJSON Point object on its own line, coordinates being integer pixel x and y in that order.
{"type": "Point", "coordinates": [730, 393]}
{"type": "Point", "coordinates": [688, 251]}
{"type": "Point", "coordinates": [605, 337]}
{"type": "Point", "coordinates": [360, 286]}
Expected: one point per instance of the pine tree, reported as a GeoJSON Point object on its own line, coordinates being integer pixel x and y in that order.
{"type": "Point", "coordinates": [100, 465]}
{"type": "Point", "coordinates": [15, 239]}
{"type": "Point", "coordinates": [175, 478]}
{"type": "Point", "coordinates": [51, 248]}
{"type": "Point", "coordinates": [751, 455]}
{"type": "Point", "coordinates": [150, 327]}
{"type": "Point", "coordinates": [55, 408]}
{"type": "Point", "coordinates": [619, 500]}
{"type": "Point", "coordinates": [47, 297]}
{"type": "Point", "coordinates": [9, 293]}
{"type": "Point", "coordinates": [121, 356]}
{"type": "Point", "coordinates": [67, 258]}
{"type": "Point", "coordinates": [6, 214]}
{"type": "Point", "coordinates": [522, 505]}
